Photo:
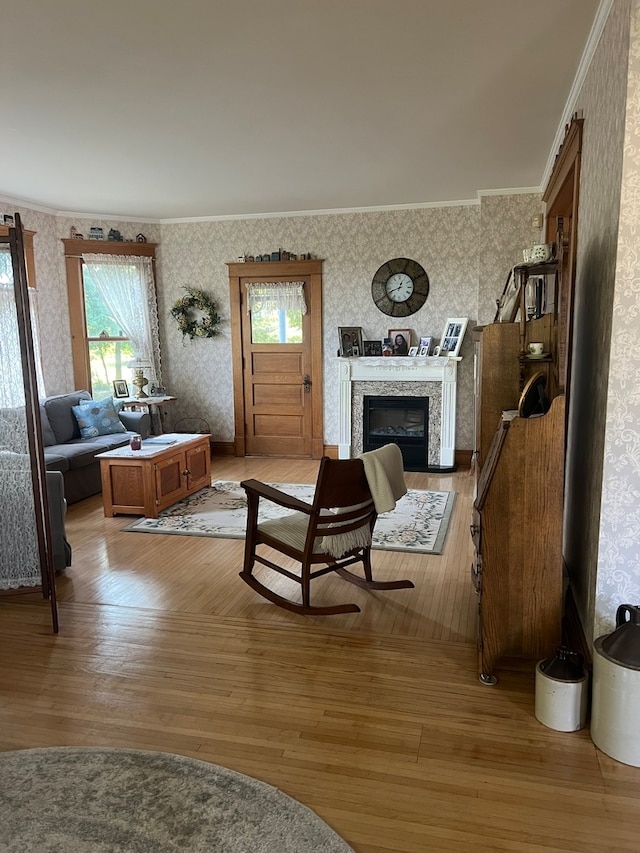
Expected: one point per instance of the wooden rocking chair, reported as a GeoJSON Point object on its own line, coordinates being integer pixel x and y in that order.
{"type": "Point", "coordinates": [333, 531]}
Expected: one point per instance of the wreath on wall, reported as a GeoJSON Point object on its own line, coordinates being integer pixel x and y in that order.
{"type": "Point", "coordinates": [196, 314]}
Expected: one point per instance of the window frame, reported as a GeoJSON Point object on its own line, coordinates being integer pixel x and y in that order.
{"type": "Point", "coordinates": [73, 251]}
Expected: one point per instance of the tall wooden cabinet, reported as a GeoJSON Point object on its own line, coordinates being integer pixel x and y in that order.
{"type": "Point", "coordinates": [517, 512]}
{"type": "Point", "coordinates": [517, 532]}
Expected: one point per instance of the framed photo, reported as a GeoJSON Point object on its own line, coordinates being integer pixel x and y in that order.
{"type": "Point", "coordinates": [350, 341]}
{"type": "Point", "coordinates": [400, 341]}
{"type": "Point", "coordinates": [425, 342]}
{"type": "Point", "coordinates": [452, 336]}
{"type": "Point", "coordinates": [414, 351]}
{"type": "Point", "coordinates": [373, 347]}
{"type": "Point", "coordinates": [424, 351]}
{"type": "Point", "coordinates": [8, 220]}
{"type": "Point", "coordinates": [120, 388]}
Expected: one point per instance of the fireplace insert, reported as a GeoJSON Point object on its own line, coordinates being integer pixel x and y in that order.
{"type": "Point", "coordinates": [401, 420]}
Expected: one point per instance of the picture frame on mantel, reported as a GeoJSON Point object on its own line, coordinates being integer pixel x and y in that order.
{"type": "Point", "coordinates": [373, 348]}
{"type": "Point", "coordinates": [452, 336]}
{"type": "Point", "coordinates": [350, 339]}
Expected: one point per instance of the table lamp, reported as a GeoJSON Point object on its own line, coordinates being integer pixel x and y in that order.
{"type": "Point", "coordinates": [138, 366]}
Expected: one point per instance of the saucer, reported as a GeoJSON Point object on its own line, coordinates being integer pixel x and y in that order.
{"type": "Point", "coordinates": [537, 357]}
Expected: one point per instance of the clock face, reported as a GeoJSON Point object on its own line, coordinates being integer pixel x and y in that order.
{"type": "Point", "coordinates": [400, 287]}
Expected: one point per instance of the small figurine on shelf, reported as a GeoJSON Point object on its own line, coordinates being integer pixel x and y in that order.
{"type": "Point", "coordinates": [140, 238]}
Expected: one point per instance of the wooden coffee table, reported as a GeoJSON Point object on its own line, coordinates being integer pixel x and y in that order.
{"type": "Point", "coordinates": [146, 481]}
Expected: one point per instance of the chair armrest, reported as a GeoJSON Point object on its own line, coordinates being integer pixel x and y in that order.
{"type": "Point", "coordinates": [261, 490]}
{"type": "Point", "coordinates": [139, 422]}
{"type": "Point", "coordinates": [61, 550]}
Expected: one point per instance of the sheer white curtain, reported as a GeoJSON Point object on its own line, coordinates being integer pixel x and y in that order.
{"type": "Point", "coordinates": [126, 284]}
{"type": "Point", "coordinates": [11, 381]}
{"type": "Point", "coordinates": [276, 296]}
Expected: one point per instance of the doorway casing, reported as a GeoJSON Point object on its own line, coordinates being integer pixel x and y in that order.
{"type": "Point", "coordinates": [310, 272]}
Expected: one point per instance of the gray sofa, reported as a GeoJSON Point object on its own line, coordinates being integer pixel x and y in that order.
{"type": "Point", "coordinates": [73, 456]}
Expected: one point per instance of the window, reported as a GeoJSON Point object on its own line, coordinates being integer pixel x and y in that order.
{"type": "Point", "coordinates": [109, 348]}
{"type": "Point", "coordinates": [276, 310]}
{"type": "Point", "coordinates": [113, 312]}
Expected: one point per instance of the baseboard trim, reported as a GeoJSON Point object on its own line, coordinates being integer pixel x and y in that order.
{"type": "Point", "coordinates": [223, 448]}
{"type": "Point", "coordinates": [462, 457]}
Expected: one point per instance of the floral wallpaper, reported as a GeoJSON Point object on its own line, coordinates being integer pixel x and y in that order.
{"type": "Point", "coordinates": [454, 244]}
{"type": "Point", "coordinates": [599, 562]}
{"type": "Point", "coordinates": [618, 580]}
{"type": "Point", "coordinates": [51, 283]}
{"type": "Point", "coordinates": [506, 229]}
{"type": "Point", "coordinates": [444, 240]}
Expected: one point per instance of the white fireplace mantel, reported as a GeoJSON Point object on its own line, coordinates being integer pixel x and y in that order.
{"type": "Point", "coordinates": [438, 369]}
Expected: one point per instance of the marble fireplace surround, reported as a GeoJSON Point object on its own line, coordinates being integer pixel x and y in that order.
{"type": "Point", "coordinates": [432, 377]}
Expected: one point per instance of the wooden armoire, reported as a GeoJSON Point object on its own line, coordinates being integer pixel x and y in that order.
{"type": "Point", "coordinates": [517, 515]}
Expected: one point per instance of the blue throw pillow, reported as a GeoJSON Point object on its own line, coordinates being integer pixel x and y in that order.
{"type": "Point", "coordinates": [97, 417]}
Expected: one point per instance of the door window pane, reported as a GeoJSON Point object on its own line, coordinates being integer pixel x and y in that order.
{"type": "Point", "coordinates": [277, 326]}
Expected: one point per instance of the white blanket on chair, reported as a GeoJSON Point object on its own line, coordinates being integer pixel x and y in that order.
{"type": "Point", "coordinates": [385, 476]}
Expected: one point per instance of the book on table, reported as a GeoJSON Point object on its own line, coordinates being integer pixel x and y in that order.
{"type": "Point", "coordinates": [158, 439]}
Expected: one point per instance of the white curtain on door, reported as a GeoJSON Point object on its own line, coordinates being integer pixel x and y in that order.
{"type": "Point", "coordinates": [127, 286]}
{"type": "Point", "coordinates": [276, 296]}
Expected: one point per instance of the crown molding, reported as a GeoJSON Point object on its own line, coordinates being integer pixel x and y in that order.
{"type": "Point", "coordinates": [597, 28]}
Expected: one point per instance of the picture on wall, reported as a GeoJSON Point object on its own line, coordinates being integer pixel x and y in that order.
{"type": "Point", "coordinates": [350, 339]}
{"type": "Point", "coordinates": [400, 341]}
{"type": "Point", "coordinates": [452, 336]}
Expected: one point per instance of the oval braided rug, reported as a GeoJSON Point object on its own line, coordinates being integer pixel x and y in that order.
{"type": "Point", "coordinates": [75, 799]}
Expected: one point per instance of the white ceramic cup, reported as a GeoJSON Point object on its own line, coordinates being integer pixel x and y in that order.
{"type": "Point", "coordinates": [541, 253]}
{"type": "Point", "coordinates": [535, 348]}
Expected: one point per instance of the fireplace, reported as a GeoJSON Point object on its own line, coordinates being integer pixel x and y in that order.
{"type": "Point", "coordinates": [401, 420]}
{"type": "Point", "coordinates": [432, 377]}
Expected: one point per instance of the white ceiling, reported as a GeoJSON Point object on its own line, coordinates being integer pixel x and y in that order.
{"type": "Point", "coordinates": [164, 110]}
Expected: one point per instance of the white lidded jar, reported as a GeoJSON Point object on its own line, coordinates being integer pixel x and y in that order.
{"type": "Point", "coordinates": [615, 714]}
{"type": "Point", "coordinates": [561, 691]}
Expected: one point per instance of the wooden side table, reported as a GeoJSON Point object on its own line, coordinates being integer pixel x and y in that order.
{"type": "Point", "coordinates": [157, 408]}
{"type": "Point", "coordinates": [146, 481]}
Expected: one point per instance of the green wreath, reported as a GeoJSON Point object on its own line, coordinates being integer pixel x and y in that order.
{"type": "Point", "coordinates": [204, 323]}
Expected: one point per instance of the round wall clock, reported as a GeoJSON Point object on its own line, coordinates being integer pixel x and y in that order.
{"type": "Point", "coordinates": [400, 287]}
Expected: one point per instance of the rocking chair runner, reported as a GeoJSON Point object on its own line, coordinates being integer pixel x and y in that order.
{"type": "Point", "coordinates": [334, 531]}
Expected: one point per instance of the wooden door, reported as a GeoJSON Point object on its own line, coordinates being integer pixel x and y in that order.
{"type": "Point", "coordinates": [278, 385]}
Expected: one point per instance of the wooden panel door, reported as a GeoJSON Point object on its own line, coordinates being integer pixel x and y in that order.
{"type": "Point", "coordinates": [277, 416]}
{"type": "Point", "coordinates": [278, 386]}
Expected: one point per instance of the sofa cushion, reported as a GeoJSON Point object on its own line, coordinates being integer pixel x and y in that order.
{"type": "Point", "coordinates": [110, 442]}
{"type": "Point", "coordinates": [79, 452]}
{"type": "Point", "coordinates": [61, 418]}
{"type": "Point", "coordinates": [48, 437]}
{"type": "Point", "coordinates": [55, 461]}
{"type": "Point", "coordinates": [97, 417]}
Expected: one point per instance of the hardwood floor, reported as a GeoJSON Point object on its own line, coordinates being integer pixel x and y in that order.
{"type": "Point", "coordinates": [376, 720]}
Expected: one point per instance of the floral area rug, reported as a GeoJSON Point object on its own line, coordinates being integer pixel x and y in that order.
{"type": "Point", "coordinates": [419, 522]}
